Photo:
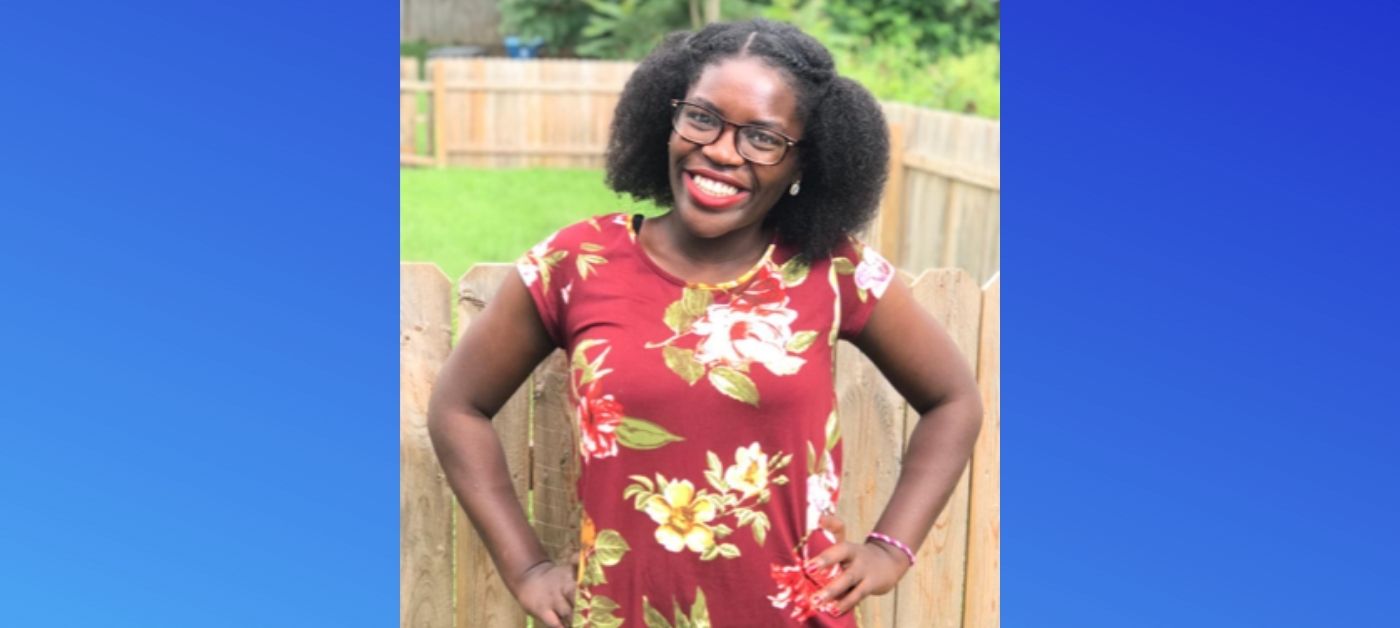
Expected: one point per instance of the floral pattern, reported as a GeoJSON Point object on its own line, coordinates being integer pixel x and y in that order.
{"type": "Point", "coordinates": [721, 341]}
{"type": "Point", "coordinates": [823, 482]}
{"type": "Point", "coordinates": [597, 550]}
{"type": "Point", "coordinates": [873, 274]}
{"type": "Point", "coordinates": [687, 518]}
{"type": "Point", "coordinates": [539, 262]}
{"type": "Point", "coordinates": [602, 425]}
{"type": "Point", "coordinates": [726, 475]}
{"type": "Point", "coordinates": [796, 586]}
{"type": "Point", "coordinates": [698, 617]}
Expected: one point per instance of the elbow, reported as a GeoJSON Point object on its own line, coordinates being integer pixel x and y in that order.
{"type": "Point", "coordinates": [972, 416]}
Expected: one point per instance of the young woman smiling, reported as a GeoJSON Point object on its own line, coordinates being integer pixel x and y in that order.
{"type": "Point", "coordinates": [701, 345]}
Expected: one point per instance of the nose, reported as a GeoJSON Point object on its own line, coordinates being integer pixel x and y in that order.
{"type": "Point", "coordinates": [725, 149]}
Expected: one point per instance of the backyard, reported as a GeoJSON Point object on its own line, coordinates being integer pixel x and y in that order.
{"type": "Point", "coordinates": [456, 217]}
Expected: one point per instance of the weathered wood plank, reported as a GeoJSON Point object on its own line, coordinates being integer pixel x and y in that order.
{"type": "Point", "coordinates": [932, 593]}
{"type": "Point", "coordinates": [872, 428]}
{"type": "Point", "coordinates": [483, 599]}
{"type": "Point", "coordinates": [983, 601]}
{"type": "Point", "coordinates": [425, 501]}
{"type": "Point", "coordinates": [557, 508]}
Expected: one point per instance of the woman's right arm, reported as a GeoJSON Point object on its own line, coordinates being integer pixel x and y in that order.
{"type": "Point", "coordinates": [495, 355]}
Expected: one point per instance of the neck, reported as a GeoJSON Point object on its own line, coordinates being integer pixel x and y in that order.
{"type": "Point", "coordinates": [734, 250]}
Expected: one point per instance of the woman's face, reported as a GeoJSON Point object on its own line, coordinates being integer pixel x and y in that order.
{"type": "Point", "coordinates": [743, 90]}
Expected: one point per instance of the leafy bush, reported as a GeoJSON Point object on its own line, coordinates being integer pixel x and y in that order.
{"type": "Point", "coordinates": [937, 27]}
{"type": "Point", "coordinates": [559, 22]}
{"type": "Point", "coordinates": [935, 53]}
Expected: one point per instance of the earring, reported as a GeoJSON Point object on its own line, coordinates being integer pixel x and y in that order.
{"type": "Point", "coordinates": [796, 187]}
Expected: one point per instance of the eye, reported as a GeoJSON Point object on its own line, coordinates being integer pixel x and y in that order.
{"type": "Point", "coordinates": [763, 140]}
{"type": "Point", "coordinates": [700, 117]}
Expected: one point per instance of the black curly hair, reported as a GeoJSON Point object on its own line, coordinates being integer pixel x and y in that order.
{"type": "Point", "coordinates": [845, 144]}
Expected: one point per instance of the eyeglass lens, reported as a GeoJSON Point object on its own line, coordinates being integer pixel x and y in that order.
{"type": "Point", "coordinates": [703, 126]}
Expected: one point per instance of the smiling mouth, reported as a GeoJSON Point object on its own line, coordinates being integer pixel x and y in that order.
{"type": "Point", "coordinates": [712, 194]}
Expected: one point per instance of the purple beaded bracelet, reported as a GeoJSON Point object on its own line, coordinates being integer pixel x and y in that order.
{"type": "Point", "coordinates": [895, 542]}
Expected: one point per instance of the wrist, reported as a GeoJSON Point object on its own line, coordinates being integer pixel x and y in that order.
{"type": "Point", "coordinates": [522, 575]}
{"type": "Point", "coordinates": [892, 547]}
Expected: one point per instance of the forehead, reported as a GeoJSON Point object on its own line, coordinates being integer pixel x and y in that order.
{"type": "Point", "coordinates": [746, 90]}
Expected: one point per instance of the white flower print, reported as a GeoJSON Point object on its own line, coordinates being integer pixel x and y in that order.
{"type": "Point", "coordinates": [749, 474]}
{"type": "Point", "coordinates": [737, 337]}
{"type": "Point", "coordinates": [822, 488]}
{"type": "Point", "coordinates": [874, 272]}
{"type": "Point", "coordinates": [529, 272]}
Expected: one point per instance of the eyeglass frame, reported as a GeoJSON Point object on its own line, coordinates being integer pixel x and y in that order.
{"type": "Point", "coordinates": [676, 104]}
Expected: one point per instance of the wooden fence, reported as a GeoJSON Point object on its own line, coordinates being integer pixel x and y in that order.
{"type": "Point", "coordinates": [942, 204]}
{"type": "Point", "coordinates": [447, 578]}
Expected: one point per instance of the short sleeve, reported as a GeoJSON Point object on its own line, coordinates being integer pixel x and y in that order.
{"type": "Point", "coordinates": [548, 279]}
{"type": "Point", "coordinates": [862, 275]}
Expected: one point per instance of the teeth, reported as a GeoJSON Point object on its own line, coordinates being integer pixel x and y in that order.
{"type": "Point", "coordinates": [712, 187]}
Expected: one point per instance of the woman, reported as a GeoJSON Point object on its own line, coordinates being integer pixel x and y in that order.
{"type": "Point", "coordinates": [701, 346]}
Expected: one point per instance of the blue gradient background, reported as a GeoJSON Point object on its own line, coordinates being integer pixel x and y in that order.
{"type": "Point", "coordinates": [199, 236]}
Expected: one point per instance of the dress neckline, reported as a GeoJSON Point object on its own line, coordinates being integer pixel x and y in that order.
{"type": "Point", "coordinates": [634, 227]}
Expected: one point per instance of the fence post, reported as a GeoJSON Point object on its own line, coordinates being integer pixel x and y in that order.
{"type": "Point", "coordinates": [439, 100]}
{"type": "Point", "coordinates": [892, 205]}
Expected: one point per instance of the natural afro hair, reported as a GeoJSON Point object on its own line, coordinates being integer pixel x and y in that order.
{"type": "Point", "coordinates": [844, 150]}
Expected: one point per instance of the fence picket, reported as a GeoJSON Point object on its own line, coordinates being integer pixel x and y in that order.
{"type": "Point", "coordinates": [932, 595]}
{"type": "Point", "coordinates": [983, 605]}
{"type": "Point", "coordinates": [483, 599]}
{"type": "Point", "coordinates": [425, 501]}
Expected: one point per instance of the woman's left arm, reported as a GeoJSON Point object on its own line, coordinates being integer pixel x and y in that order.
{"type": "Point", "coordinates": [919, 358]}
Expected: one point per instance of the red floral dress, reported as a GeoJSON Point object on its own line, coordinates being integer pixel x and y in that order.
{"type": "Point", "coordinates": [707, 421]}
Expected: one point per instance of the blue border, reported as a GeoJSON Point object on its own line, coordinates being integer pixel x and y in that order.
{"type": "Point", "coordinates": [200, 235]}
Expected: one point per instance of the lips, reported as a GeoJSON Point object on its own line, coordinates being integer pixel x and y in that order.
{"type": "Point", "coordinates": [713, 191]}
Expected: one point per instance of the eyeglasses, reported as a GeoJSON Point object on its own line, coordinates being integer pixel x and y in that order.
{"type": "Point", "coordinates": [701, 125]}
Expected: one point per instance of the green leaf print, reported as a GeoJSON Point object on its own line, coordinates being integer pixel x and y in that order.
{"type": "Point", "coordinates": [833, 430]}
{"type": "Point", "coordinates": [609, 547]}
{"type": "Point", "coordinates": [607, 620]}
{"type": "Point", "coordinates": [700, 611]}
{"type": "Point", "coordinates": [843, 266]}
{"type": "Point", "coordinates": [653, 617]}
{"type": "Point", "coordinates": [794, 272]}
{"type": "Point", "coordinates": [579, 360]}
{"type": "Point", "coordinates": [593, 573]}
{"type": "Point", "coordinates": [682, 620]}
{"type": "Point", "coordinates": [585, 263]}
{"type": "Point", "coordinates": [734, 384]}
{"type": "Point", "coordinates": [760, 527]}
{"type": "Point", "coordinates": [634, 433]}
{"type": "Point", "coordinates": [695, 300]}
{"type": "Point", "coordinates": [683, 312]}
{"type": "Point", "coordinates": [601, 604]}
{"type": "Point", "coordinates": [801, 341]}
{"type": "Point", "coordinates": [682, 362]}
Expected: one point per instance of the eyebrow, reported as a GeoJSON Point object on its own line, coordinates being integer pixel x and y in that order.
{"type": "Point", "coordinates": [772, 124]}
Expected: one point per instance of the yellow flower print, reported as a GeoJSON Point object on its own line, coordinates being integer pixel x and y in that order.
{"type": "Point", "coordinates": [749, 473]}
{"type": "Point", "coordinates": [682, 517]}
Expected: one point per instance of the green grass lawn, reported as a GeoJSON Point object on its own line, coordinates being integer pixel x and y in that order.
{"type": "Point", "coordinates": [457, 217]}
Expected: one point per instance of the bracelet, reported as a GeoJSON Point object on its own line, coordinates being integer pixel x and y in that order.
{"type": "Point", "coordinates": [895, 542]}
